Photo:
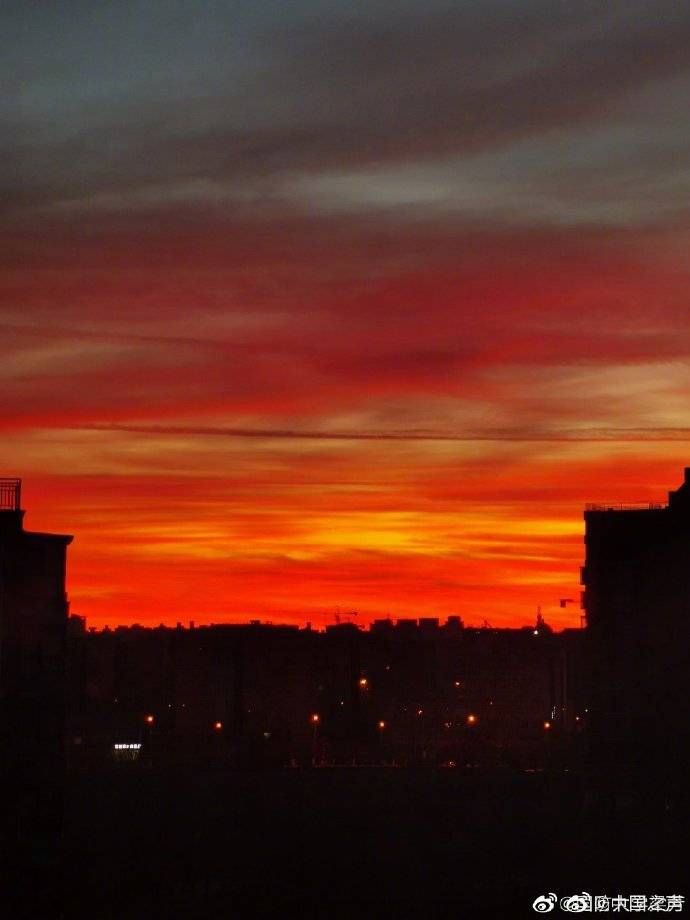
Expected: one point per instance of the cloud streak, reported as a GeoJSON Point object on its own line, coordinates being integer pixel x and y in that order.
{"type": "Point", "coordinates": [584, 436]}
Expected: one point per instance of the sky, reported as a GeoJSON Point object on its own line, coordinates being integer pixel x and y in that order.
{"type": "Point", "coordinates": [317, 306]}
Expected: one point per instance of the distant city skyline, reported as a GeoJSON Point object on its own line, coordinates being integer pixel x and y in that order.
{"type": "Point", "coordinates": [313, 305]}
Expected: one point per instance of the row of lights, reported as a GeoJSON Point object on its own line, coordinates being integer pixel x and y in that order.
{"type": "Point", "coordinates": [315, 719]}
{"type": "Point", "coordinates": [471, 719]}
{"type": "Point", "coordinates": [363, 683]}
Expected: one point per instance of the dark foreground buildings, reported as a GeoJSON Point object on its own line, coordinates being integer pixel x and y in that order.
{"type": "Point", "coordinates": [33, 646]}
{"type": "Point", "coordinates": [411, 692]}
{"type": "Point", "coordinates": [33, 625]}
{"type": "Point", "coordinates": [524, 727]}
{"type": "Point", "coordinates": [637, 600]}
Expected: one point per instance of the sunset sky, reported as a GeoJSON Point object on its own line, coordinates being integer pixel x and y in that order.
{"type": "Point", "coordinates": [308, 305]}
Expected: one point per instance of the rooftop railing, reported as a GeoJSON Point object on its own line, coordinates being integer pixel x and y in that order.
{"type": "Point", "coordinates": [10, 494]}
{"type": "Point", "coordinates": [628, 506]}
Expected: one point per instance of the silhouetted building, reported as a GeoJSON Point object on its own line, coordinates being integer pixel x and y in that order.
{"type": "Point", "coordinates": [33, 621]}
{"type": "Point", "coordinates": [637, 602]}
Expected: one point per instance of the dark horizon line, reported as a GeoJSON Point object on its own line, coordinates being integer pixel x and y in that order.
{"type": "Point", "coordinates": [307, 627]}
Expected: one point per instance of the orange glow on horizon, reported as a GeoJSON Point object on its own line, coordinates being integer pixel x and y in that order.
{"type": "Point", "coordinates": [153, 551]}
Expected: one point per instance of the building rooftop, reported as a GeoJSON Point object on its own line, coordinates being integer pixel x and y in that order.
{"type": "Point", "coordinates": [678, 499]}
{"type": "Point", "coordinates": [627, 506]}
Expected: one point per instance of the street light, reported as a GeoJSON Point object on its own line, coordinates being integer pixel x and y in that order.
{"type": "Point", "coordinates": [218, 726]}
{"type": "Point", "coordinates": [363, 683]}
{"type": "Point", "coordinates": [382, 724]}
{"type": "Point", "coordinates": [314, 719]}
{"type": "Point", "coordinates": [547, 726]}
{"type": "Point", "coordinates": [149, 719]}
{"type": "Point", "coordinates": [471, 719]}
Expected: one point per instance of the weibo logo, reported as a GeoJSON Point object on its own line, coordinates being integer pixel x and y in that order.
{"type": "Point", "coordinates": [577, 903]}
{"type": "Point", "coordinates": [545, 903]}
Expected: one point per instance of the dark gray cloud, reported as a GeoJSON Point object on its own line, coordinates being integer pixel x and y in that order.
{"type": "Point", "coordinates": [139, 106]}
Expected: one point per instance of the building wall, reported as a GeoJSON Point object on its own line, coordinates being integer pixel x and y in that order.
{"type": "Point", "coordinates": [33, 619]}
{"type": "Point", "coordinates": [637, 601]}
